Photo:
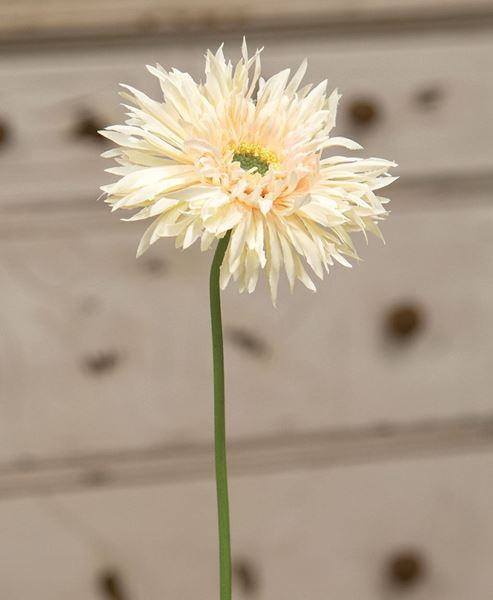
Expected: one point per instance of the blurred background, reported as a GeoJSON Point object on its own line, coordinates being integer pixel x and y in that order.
{"type": "Point", "coordinates": [360, 418]}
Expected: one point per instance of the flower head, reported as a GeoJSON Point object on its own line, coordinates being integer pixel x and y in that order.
{"type": "Point", "coordinates": [216, 156]}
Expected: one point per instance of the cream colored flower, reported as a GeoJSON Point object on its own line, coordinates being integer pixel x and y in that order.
{"type": "Point", "coordinates": [216, 156]}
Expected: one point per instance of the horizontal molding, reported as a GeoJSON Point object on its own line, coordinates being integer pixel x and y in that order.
{"type": "Point", "coordinates": [30, 19]}
{"type": "Point", "coordinates": [322, 449]}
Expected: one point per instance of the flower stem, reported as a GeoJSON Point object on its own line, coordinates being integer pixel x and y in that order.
{"type": "Point", "coordinates": [220, 422]}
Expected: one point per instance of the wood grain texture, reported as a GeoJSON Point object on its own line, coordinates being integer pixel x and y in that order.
{"type": "Point", "coordinates": [431, 95]}
{"type": "Point", "coordinates": [252, 455]}
{"type": "Point", "coordinates": [29, 18]}
{"type": "Point", "coordinates": [326, 534]}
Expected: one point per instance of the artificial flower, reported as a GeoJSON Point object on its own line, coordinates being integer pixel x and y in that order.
{"type": "Point", "coordinates": [252, 156]}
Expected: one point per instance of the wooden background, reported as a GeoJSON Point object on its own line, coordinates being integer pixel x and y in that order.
{"type": "Point", "coordinates": [360, 418]}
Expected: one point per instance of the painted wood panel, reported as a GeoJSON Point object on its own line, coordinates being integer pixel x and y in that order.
{"type": "Point", "coordinates": [424, 101]}
{"type": "Point", "coordinates": [101, 352]}
{"type": "Point", "coordinates": [335, 533]}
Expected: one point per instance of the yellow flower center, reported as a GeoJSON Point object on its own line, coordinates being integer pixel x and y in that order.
{"type": "Point", "coordinates": [254, 156]}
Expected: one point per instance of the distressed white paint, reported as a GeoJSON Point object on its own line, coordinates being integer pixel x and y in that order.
{"type": "Point", "coordinates": [73, 292]}
{"type": "Point", "coordinates": [42, 97]}
{"type": "Point", "coordinates": [320, 534]}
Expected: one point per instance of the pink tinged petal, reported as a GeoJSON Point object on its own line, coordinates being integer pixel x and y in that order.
{"type": "Point", "coordinates": [239, 187]}
{"type": "Point", "coordinates": [301, 200]}
{"type": "Point", "coordinates": [265, 204]}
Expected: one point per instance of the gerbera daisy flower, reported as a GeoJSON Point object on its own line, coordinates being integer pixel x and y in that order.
{"type": "Point", "coordinates": [254, 157]}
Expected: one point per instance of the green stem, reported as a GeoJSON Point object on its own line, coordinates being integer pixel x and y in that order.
{"type": "Point", "coordinates": [220, 423]}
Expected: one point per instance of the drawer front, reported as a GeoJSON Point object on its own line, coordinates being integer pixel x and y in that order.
{"type": "Point", "coordinates": [52, 103]}
{"type": "Point", "coordinates": [414, 529]}
{"type": "Point", "coordinates": [100, 352]}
